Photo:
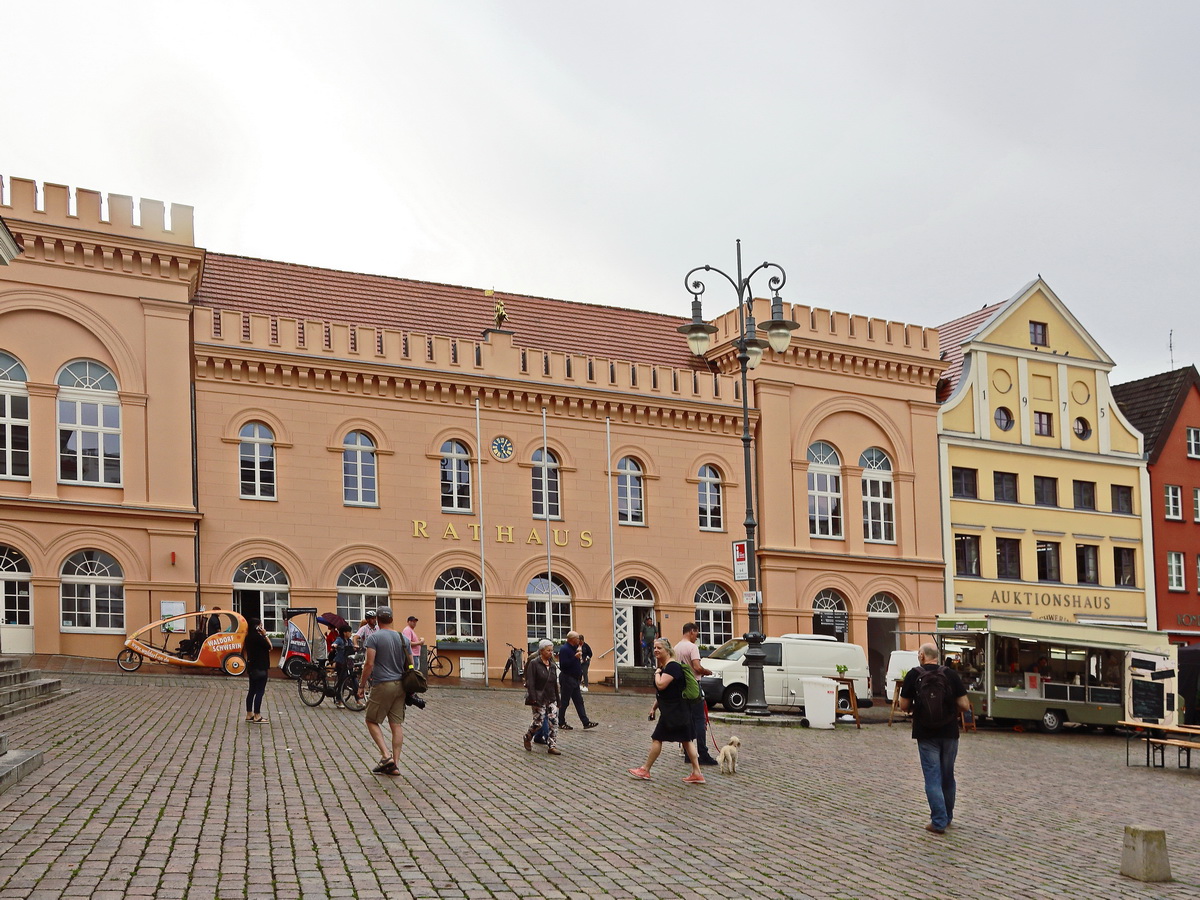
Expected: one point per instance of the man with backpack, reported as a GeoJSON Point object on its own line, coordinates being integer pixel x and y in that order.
{"type": "Point", "coordinates": [935, 695]}
{"type": "Point", "coordinates": [688, 656]}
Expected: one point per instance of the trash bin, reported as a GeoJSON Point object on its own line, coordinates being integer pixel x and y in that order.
{"type": "Point", "coordinates": [820, 701]}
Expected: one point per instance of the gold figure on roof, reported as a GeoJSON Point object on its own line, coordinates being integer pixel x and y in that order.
{"type": "Point", "coordinates": [501, 315]}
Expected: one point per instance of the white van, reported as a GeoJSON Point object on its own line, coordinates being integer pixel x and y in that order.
{"type": "Point", "coordinates": [898, 664]}
{"type": "Point", "coordinates": [788, 660]}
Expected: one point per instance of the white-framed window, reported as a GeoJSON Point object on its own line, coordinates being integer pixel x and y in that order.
{"type": "Point", "coordinates": [360, 587]}
{"type": "Point", "coordinates": [92, 594]}
{"type": "Point", "coordinates": [14, 419]}
{"type": "Point", "coordinates": [260, 591]}
{"type": "Point", "coordinates": [14, 587]}
{"type": "Point", "coordinates": [714, 614]}
{"type": "Point", "coordinates": [1196, 504]}
{"type": "Point", "coordinates": [634, 592]}
{"type": "Point", "coordinates": [548, 608]}
{"type": "Point", "coordinates": [1172, 501]}
{"type": "Point", "coordinates": [630, 507]}
{"type": "Point", "coordinates": [1175, 579]}
{"type": "Point", "coordinates": [358, 470]}
{"type": "Point", "coordinates": [455, 473]}
{"type": "Point", "coordinates": [883, 606]}
{"type": "Point", "coordinates": [458, 606]}
{"type": "Point", "coordinates": [1193, 442]}
{"type": "Point", "coordinates": [545, 485]}
{"type": "Point", "coordinates": [878, 504]}
{"type": "Point", "coordinates": [1198, 571]}
{"type": "Point", "coordinates": [89, 425]}
{"type": "Point", "coordinates": [824, 491]}
{"type": "Point", "coordinates": [256, 461]}
{"type": "Point", "coordinates": [830, 614]}
{"type": "Point", "coordinates": [709, 495]}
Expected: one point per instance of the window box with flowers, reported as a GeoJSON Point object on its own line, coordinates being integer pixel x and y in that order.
{"type": "Point", "coordinates": [464, 644]}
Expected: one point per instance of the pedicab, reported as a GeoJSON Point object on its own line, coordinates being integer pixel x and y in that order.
{"type": "Point", "coordinates": [301, 646]}
{"type": "Point", "coordinates": [213, 640]}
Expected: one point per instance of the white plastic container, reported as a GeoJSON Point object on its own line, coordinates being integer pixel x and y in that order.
{"type": "Point", "coordinates": [820, 702]}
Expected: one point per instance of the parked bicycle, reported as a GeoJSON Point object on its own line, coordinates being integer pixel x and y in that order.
{"type": "Point", "coordinates": [515, 664]}
{"type": "Point", "coordinates": [318, 680]}
{"type": "Point", "coordinates": [439, 666]}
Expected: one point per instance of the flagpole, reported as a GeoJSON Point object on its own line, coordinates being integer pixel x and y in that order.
{"type": "Point", "coordinates": [546, 507]}
{"type": "Point", "coordinates": [612, 552]}
{"type": "Point", "coordinates": [482, 539]}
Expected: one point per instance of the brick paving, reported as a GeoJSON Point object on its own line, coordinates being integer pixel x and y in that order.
{"type": "Point", "coordinates": [153, 786]}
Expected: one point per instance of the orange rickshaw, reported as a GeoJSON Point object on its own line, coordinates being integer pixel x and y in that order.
{"type": "Point", "coordinates": [200, 640]}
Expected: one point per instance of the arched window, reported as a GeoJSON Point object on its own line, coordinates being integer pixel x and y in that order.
{"type": "Point", "coordinates": [14, 586]}
{"type": "Point", "coordinates": [458, 606]}
{"type": "Point", "coordinates": [714, 614]}
{"type": "Point", "coordinates": [456, 477]}
{"type": "Point", "coordinates": [260, 590]}
{"type": "Point", "coordinates": [256, 461]}
{"type": "Point", "coordinates": [14, 419]}
{"type": "Point", "coordinates": [545, 485]}
{"type": "Point", "coordinates": [883, 606]}
{"type": "Point", "coordinates": [89, 425]}
{"type": "Point", "coordinates": [877, 498]}
{"type": "Point", "coordinates": [830, 615]}
{"type": "Point", "coordinates": [548, 608]}
{"type": "Point", "coordinates": [709, 491]}
{"type": "Point", "coordinates": [630, 509]}
{"type": "Point", "coordinates": [358, 470]}
{"type": "Point", "coordinates": [635, 592]}
{"type": "Point", "coordinates": [92, 594]}
{"type": "Point", "coordinates": [360, 587]}
{"type": "Point", "coordinates": [824, 491]}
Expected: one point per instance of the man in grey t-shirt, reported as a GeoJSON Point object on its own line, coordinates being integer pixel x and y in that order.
{"type": "Point", "coordinates": [388, 658]}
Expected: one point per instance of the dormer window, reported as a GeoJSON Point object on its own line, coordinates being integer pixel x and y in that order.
{"type": "Point", "coordinates": [1038, 334]}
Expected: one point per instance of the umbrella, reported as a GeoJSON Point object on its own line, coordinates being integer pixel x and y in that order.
{"type": "Point", "coordinates": [333, 620]}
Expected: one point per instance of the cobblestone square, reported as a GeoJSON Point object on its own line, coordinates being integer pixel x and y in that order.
{"type": "Point", "coordinates": [153, 786]}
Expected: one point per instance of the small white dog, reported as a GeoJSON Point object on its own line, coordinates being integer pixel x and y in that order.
{"type": "Point", "coordinates": [728, 757]}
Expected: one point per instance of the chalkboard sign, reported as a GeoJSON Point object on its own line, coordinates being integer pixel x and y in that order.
{"type": "Point", "coordinates": [1147, 699]}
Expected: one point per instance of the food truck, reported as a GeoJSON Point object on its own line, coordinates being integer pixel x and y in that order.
{"type": "Point", "coordinates": [1050, 673]}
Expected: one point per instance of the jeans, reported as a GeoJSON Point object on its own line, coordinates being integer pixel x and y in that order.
{"type": "Point", "coordinates": [937, 762]}
{"type": "Point", "coordinates": [255, 688]}
{"type": "Point", "coordinates": [568, 689]}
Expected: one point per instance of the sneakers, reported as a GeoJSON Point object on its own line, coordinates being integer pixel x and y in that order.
{"type": "Point", "coordinates": [528, 743]}
{"type": "Point", "coordinates": [591, 724]}
{"type": "Point", "coordinates": [640, 773]}
{"type": "Point", "coordinates": [584, 688]}
{"type": "Point", "coordinates": [566, 727]}
{"type": "Point", "coordinates": [554, 751]}
{"type": "Point", "coordinates": [694, 779]}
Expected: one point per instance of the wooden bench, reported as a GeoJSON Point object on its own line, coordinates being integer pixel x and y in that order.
{"type": "Point", "coordinates": [1157, 748]}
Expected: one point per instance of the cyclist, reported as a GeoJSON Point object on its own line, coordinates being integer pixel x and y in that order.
{"type": "Point", "coordinates": [343, 653]}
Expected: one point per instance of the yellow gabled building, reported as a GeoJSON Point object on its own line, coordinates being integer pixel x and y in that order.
{"type": "Point", "coordinates": [1044, 486]}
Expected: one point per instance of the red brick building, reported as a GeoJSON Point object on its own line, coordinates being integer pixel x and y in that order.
{"type": "Point", "coordinates": [1166, 409]}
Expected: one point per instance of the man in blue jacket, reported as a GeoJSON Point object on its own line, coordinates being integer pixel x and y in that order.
{"type": "Point", "coordinates": [570, 671]}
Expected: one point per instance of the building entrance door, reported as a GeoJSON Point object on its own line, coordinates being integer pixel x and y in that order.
{"type": "Point", "coordinates": [883, 617]}
{"type": "Point", "coordinates": [16, 627]}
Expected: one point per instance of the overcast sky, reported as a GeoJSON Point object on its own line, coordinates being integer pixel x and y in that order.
{"type": "Point", "coordinates": [906, 160]}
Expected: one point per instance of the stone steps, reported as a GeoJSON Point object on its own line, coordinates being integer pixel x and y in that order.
{"type": "Point", "coordinates": [20, 691]}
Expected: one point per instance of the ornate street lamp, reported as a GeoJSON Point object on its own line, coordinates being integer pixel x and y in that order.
{"type": "Point", "coordinates": [749, 354]}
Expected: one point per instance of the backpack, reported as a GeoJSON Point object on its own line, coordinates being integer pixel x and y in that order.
{"type": "Point", "coordinates": [935, 705]}
{"type": "Point", "coordinates": [691, 687]}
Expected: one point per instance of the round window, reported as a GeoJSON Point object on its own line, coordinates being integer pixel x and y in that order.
{"type": "Point", "coordinates": [1004, 419]}
{"type": "Point", "coordinates": [1083, 430]}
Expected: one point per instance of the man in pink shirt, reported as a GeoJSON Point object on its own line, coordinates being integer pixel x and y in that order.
{"type": "Point", "coordinates": [417, 643]}
{"type": "Point", "coordinates": [688, 654]}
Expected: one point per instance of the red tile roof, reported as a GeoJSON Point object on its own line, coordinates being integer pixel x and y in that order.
{"type": "Point", "coordinates": [291, 290]}
{"type": "Point", "coordinates": [1152, 404]}
{"type": "Point", "coordinates": [951, 337]}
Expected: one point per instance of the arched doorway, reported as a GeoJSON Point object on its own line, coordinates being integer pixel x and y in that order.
{"type": "Point", "coordinates": [883, 619]}
{"type": "Point", "coordinates": [633, 601]}
{"type": "Point", "coordinates": [830, 615]}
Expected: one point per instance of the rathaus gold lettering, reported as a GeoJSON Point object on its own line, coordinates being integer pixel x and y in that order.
{"type": "Point", "coordinates": [504, 534]}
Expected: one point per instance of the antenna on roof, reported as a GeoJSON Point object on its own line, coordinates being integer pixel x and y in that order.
{"type": "Point", "coordinates": [1171, 347]}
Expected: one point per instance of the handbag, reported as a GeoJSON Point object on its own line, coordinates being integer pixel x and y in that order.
{"type": "Point", "coordinates": [414, 682]}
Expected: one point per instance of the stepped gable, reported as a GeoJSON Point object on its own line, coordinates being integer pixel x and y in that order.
{"type": "Point", "coordinates": [1152, 404]}
{"type": "Point", "coordinates": [286, 289]}
{"type": "Point", "coordinates": [951, 338]}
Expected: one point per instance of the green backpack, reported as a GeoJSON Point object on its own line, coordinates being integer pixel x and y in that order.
{"type": "Point", "coordinates": [691, 687]}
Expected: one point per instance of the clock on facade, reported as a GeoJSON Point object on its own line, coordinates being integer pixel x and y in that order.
{"type": "Point", "coordinates": [502, 448]}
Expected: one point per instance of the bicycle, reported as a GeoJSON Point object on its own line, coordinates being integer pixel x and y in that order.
{"type": "Point", "coordinates": [315, 682]}
{"type": "Point", "coordinates": [515, 664]}
{"type": "Point", "coordinates": [439, 666]}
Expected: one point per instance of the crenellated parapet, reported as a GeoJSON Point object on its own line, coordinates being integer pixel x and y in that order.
{"type": "Point", "coordinates": [339, 356]}
{"type": "Point", "coordinates": [841, 342]}
{"type": "Point", "coordinates": [83, 228]}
